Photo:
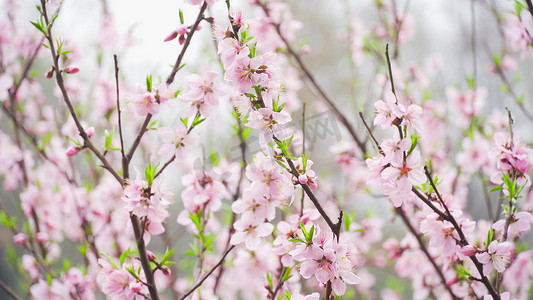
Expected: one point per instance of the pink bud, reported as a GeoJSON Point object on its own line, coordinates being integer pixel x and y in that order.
{"type": "Point", "coordinates": [181, 39]}
{"type": "Point", "coordinates": [312, 185]}
{"type": "Point", "coordinates": [302, 179]}
{"type": "Point", "coordinates": [182, 30]}
{"type": "Point", "coordinates": [491, 68]}
{"type": "Point", "coordinates": [171, 36]}
{"type": "Point", "coordinates": [20, 238]}
{"type": "Point", "coordinates": [166, 271]}
{"type": "Point", "coordinates": [452, 281]}
{"type": "Point", "coordinates": [508, 63]}
{"type": "Point", "coordinates": [49, 73]}
{"type": "Point", "coordinates": [90, 132]}
{"type": "Point", "coordinates": [42, 237]}
{"type": "Point", "coordinates": [468, 250]}
{"type": "Point", "coordinates": [150, 254]}
{"type": "Point", "coordinates": [135, 287]}
{"type": "Point", "coordinates": [306, 49]}
{"type": "Point", "coordinates": [72, 69]}
{"type": "Point", "coordinates": [72, 150]}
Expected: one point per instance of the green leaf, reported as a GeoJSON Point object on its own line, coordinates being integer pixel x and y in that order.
{"type": "Point", "coordinates": [269, 280]}
{"type": "Point", "coordinates": [123, 256]}
{"type": "Point", "coordinates": [149, 83]}
{"type": "Point", "coordinates": [518, 6]}
{"type": "Point", "coordinates": [182, 20]}
{"type": "Point", "coordinates": [287, 294]}
{"type": "Point", "coordinates": [311, 233]}
{"type": "Point", "coordinates": [191, 253]}
{"type": "Point", "coordinates": [496, 188]}
{"type": "Point", "coordinates": [198, 121]}
{"type": "Point", "coordinates": [110, 259]}
{"type": "Point", "coordinates": [348, 219]}
{"type": "Point", "coordinates": [38, 26]}
{"type": "Point", "coordinates": [109, 139]}
{"type": "Point", "coordinates": [196, 220]}
{"type": "Point", "coordinates": [252, 50]}
{"type": "Point", "coordinates": [75, 142]}
{"type": "Point", "coordinates": [414, 142]}
{"type": "Point", "coordinates": [149, 173]}
{"type": "Point", "coordinates": [470, 81]}
{"type": "Point", "coordinates": [7, 221]}
{"type": "Point", "coordinates": [520, 99]}
{"type": "Point", "coordinates": [167, 255]}
{"type": "Point", "coordinates": [287, 274]}
{"type": "Point", "coordinates": [490, 236]}
{"type": "Point", "coordinates": [66, 264]}
{"type": "Point", "coordinates": [297, 240]}
{"type": "Point", "coordinates": [131, 270]}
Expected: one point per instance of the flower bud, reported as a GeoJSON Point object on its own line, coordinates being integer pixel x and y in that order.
{"type": "Point", "coordinates": [72, 150]}
{"type": "Point", "coordinates": [508, 63]}
{"type": "Point", "coordinates": [42, 237]}
{"type": "Point", "coordinates": [20, 238]}
{"type": "Point", "coordinates": [72, 69]}
{"type": "Point", "coordinates": [90, 132]}
{"type": "Point", "coordinates": [171, 36]}
{"type": "Point", "coordinates": [306, 49]}
{"type": "Point", "coordinates": [166, 271]}
{"type": "Point", "coordinates": [468, 250]}
{"type": "Point", "coordinates": [136, 287]}
{"type": "Point", "coordinates": [302, 179]}
{"type": "Point", "coordinates": [49, 73]}
{"type": "Point", "coordinates": [151, 255]}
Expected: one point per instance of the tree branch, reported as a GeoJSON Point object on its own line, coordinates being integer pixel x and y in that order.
{"type": "Point", "coordinates": [220, 262]}
{"type": "Point", "coordinates": [315, 85]}
{"type": "Point", "coordinates": [192, 30]}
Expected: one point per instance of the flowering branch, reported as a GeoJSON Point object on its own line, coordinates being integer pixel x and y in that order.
{"type": "Point", "coordinates": [60, 82]}
{"type": "Point", "coordinates": [424, 249]}
{"type": "Point", "coordinates": [313, 82]}
{"type": "Point", "coordinates": [176, 67]}
{"type": "Point", "coordinates": [220, 262]}
{"type": "Point", "coordinates": [119, 113]}
{"type": "Point", "coordinates": [463, 242]}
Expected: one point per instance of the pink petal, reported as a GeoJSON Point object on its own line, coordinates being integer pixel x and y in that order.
{"type": "Point", "coordinates": [339, 287]}
{"type": "Point", "coordinates": [308, 268]}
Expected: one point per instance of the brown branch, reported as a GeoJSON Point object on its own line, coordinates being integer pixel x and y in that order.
{"type": "Point", "coordinates": [119, 112]}
{"type": "Point", "coordinates": [463, 241]}
{"type": "Point", "coordinates": [315, 85]}
{"type": "Point", "coordinates": [422, 246]}
{"type": "Point", "coordinates": [145, 262]}
{"type": "Point", "coordinates": [61, 84]}
{"type": "Point", "coordinates": [220, 262]}
{"type": "Point", "coordinates": [8, 291]}
{"type": "Point", "coordinates": [530, 6]}
{"type": "Point", "coordinates": [509, 87]}
{"type": "Point", "coordinates": [192, 30]}
{"type": "Point", "coordinates": [312, 196]}
{"type": "Point", "coordinates": [137, 140]}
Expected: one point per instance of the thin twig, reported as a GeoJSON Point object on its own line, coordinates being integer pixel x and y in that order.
{"type": "Point", "coordinates": [390, 70]}
{"type": "Point", "coordinates": [192, 30]}
{"type": "Point", "coordinates": [422, 246]}
{"type": "Point", "coordinates": [8, 291]}
{"type": "Point", "coordinates": [119, 112]}
{"type": "Point", "coordinates": [61, 84]}
{"type": "Point", "coordinates": [220, 262]}
{"type": "Point", "coordinates": [463, 241]}
{"type": "Point", "coordinates": [530, 6]}
{"type": "Point", "coordinates": [315, 85]}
